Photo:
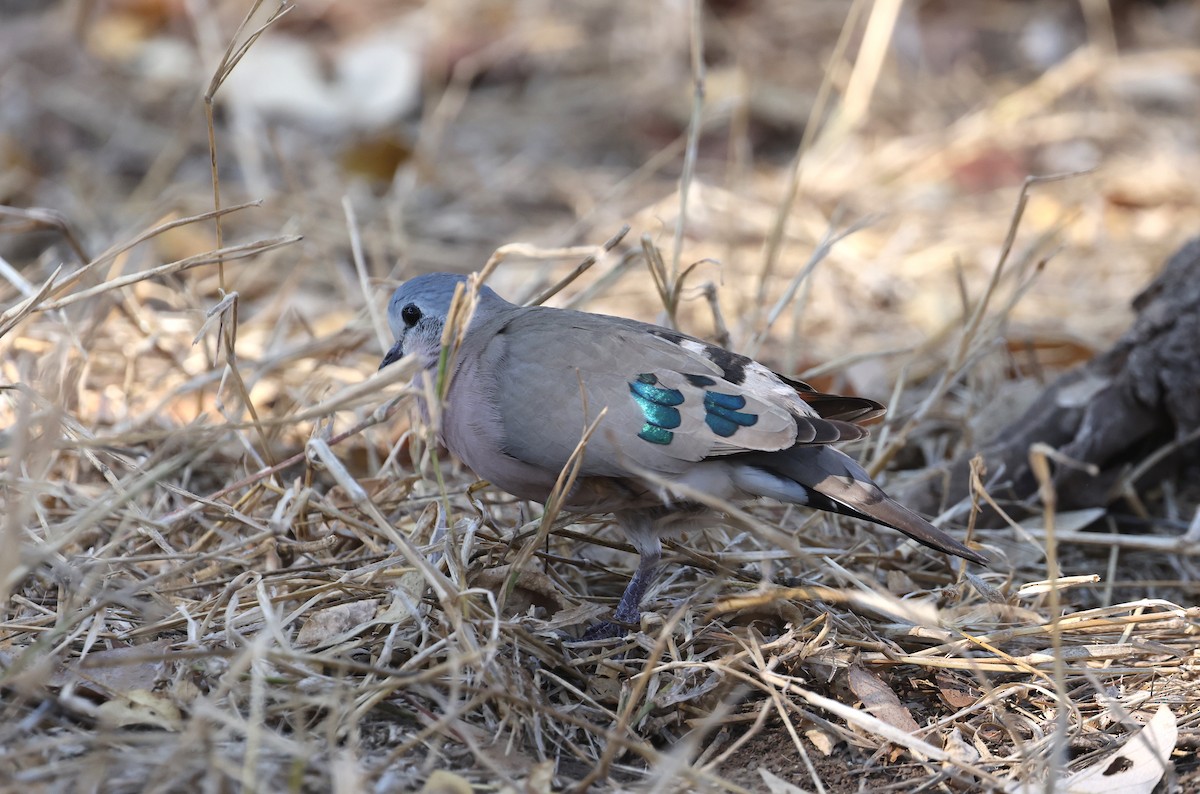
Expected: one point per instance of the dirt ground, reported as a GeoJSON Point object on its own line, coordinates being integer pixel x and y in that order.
{"type": "Point", "coordinates": [230, 563]}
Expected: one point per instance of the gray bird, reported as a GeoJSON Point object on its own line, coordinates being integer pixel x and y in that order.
{"type": "Point", "coordinates": [679, 408]}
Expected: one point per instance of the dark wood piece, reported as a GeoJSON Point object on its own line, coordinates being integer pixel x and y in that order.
{"type": "Point", "coordinates": [1111, 412]}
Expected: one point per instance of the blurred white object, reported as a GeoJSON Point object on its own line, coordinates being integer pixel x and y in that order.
{"type": "Point", "coordinates": [365, 83]}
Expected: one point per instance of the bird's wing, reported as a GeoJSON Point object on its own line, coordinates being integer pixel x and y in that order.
{"type": "Point", "coordinates": [671, 400]}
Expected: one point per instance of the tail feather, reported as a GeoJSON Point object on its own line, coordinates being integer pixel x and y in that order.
{"type": "Point", "coordinates": [826, 479]}
{"type": "Point", "coordinates": [835, 406]}
{"type": "Point", "coordinates": [812, 430]}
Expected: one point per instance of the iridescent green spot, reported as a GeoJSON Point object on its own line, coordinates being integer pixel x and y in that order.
{"type": "Point", "coordinates": [655, 435]}
{"type": "Point", "coordinates": [646, 390]}
{"type": "Point", "coordinates": [658, 407]}
{"type": "Point", "coordinates": [721, 414]}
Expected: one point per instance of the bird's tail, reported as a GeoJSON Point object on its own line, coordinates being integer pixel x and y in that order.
{"type": "Point", "coordinates": [826, 479]}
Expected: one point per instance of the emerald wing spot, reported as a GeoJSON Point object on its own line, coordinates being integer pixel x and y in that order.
{"type": "Point", "coordinates": [657, 405]}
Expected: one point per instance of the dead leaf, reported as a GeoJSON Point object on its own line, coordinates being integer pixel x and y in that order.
{"type": "Point", "coordinates": [606, 685]}
{"type": "Point", "coordinates": [955, 691]}
{"type": "Point", "coordinates": [140, 707]}
{"type": "Point", "coordinates": [116, 671]}
{"type": "Point", "coordinates": [820, 740]}
{"type": "Point", "coordinates": [329, 624]}
{"type": "Point", "coordinates": [958, 747]}
{"type": "Point", "coordinates": [879, 699]}
{"type": "Point", "coordinates": [1137, 767]}
{"type": "Point", "coordinates": [531, 588]}
{"type": "Point", "coordinates": [1134, 769]}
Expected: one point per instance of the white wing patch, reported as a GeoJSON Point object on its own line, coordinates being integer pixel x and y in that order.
{"type": "Point", "coordinates": [760, 380]}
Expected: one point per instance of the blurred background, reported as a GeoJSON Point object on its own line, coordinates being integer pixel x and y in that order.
{"type": "Point", "coordinates": [455, 127]}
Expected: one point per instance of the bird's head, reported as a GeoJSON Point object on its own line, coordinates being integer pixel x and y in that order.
{"type": "Point", "coordinates": [417, 315]}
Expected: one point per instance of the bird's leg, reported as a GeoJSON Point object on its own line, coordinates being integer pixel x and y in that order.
{"type": "Point", "coordinates": [638, 526]}
{"type": "Point", "coordinates": [629, 609]}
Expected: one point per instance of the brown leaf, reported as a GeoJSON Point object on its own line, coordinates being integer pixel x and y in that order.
{"type": "Point", "coordinates": [955, 691]}
{"type": "Point", "coordinates": [879, 699]}
{"type": "Point", "coordinates": [531, 588]}
{"type": "Point", "coordinates": [117, 671]}
{"type": "Point", "coordinates": [328, 624]}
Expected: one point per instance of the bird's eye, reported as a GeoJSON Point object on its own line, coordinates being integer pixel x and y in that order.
{"type": "Point", "coordinates": [410, 314]}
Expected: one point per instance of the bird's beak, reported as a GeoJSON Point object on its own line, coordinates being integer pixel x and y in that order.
{"type": "Point", "coordinates": [393, 355]}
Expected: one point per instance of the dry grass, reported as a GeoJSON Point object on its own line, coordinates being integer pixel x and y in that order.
{"type": "Point", "coordinates": [229, 563]}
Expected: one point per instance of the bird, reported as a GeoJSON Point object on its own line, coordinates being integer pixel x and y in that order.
{"type": "Point", "coordinates": [680, 416]}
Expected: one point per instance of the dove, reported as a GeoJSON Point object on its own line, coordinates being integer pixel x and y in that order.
{"type": "Point", "coordinates": [680, 415]}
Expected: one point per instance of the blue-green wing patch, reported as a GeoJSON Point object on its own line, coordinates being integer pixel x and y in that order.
{"type": "Point", "coordinates": [658, 407]}
{"type": "Point", "coordinates": [721, 413]}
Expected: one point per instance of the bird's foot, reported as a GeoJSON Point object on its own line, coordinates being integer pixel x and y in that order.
{"type": "Point", "coordinates": [606, 630]}
{"type": "Point", "coordinates": [628, 615]}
